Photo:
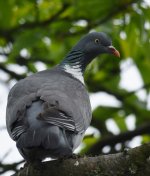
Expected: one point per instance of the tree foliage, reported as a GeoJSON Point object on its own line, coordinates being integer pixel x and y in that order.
{"type": "Point", "coordinates": [41, 32]}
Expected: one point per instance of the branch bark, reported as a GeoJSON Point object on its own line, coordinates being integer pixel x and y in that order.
{"type": "Point", "coordinates": [135, 162]}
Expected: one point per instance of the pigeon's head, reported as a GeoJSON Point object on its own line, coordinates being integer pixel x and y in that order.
{"type": "Point", "coordinates": [90, 46]}
{"type": "Point", "coordinates": [96, 43]}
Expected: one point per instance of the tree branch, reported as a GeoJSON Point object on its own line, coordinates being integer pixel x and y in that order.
{"type": "Point", "coordinates": [115, 11]}
{"type": "Point", "coordinates": [11, 73]}
{"type": "Point", "coordinates": [7, 167]}
{"type": "Point", "coordinates": [31, 25]}
{"type": "Point", "coordinates": [123, 7]}
{"type": "Point", "coordinates": [120, 138]}
{"type": "Point", "coordinates": [24, 61]}
{"type": "Point", "coordinates": [134, 162]}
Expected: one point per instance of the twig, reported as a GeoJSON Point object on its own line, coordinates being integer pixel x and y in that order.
{"type": "Point", "coordinates": [11, 73]}
{"type": "Point", "coordinates": [7, 167]}
{"type": "Point", "coordinates": [122, 137]}
{"type": "Point", "coordinates": [103, 20]}
{"type": "Point", "coordinates": [31, 25]}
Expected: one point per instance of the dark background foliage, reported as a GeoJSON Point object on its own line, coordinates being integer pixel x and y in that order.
{"type": "Point", "coordinates": [36, 33]}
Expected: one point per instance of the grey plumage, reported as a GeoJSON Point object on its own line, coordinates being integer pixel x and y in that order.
{"type": "Point", "coordinates": [49, 112]}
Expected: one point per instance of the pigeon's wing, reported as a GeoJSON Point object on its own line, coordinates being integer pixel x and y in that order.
{"type": "Point", "coordinates": [62, 105]}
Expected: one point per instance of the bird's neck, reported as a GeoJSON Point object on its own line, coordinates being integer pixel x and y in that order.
{"type": "Point", "coordinates": [74, 64]}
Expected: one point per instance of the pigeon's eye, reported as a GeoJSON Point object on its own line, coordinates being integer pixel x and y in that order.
{"type": "Point", "coordinates": [97, 41]}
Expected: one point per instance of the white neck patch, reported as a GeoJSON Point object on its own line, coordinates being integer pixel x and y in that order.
{"type": "Point", "coordinates": [75, 71]}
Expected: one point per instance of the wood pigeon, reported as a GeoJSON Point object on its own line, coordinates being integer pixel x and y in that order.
{"type": "Point", "coordinates": [48, 112]}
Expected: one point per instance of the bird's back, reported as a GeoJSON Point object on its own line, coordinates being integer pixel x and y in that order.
{"type": "Point", "coordinates": [46, 93]}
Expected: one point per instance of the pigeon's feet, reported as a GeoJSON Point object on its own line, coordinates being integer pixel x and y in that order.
{"type": "Point", "coordinates": [125, 151]}
{"type": "Point", "coordinates": [37, 164]}
{"type": "Point", "coordinates": [26, 164]}
{"type": "Point", "coordinates": [73, 156]}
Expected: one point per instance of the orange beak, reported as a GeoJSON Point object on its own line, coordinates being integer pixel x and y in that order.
{"type": "Point", "coordinates": [114, 51]}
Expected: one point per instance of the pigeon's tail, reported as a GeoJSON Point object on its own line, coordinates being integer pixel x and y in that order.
{"type": "Point", "coordinates": [47, 137]}
{"type": "Point", "coordinates": [42, 134]}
